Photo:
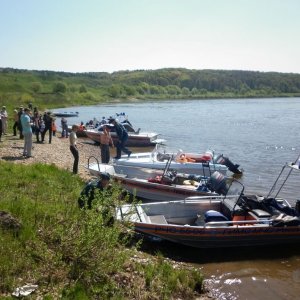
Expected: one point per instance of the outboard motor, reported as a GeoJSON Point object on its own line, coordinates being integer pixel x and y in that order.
{"type": "Point", "coordinates": [234, 168]}
{"type": "Point", "coordinates": [218, 183]}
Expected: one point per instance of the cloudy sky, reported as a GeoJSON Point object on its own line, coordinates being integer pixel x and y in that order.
{"type": "Point", "coordinates": [112, 35]}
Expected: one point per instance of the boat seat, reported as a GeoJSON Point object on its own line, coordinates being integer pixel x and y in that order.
{"type": "Point", "coordinates": [142, 216]}
{"type": "Point", "coordinates": [158, 219]}
{"type": "Point", "coordinates": [259, 214]}
{"type": "Point", "coordinates": [230, 208]}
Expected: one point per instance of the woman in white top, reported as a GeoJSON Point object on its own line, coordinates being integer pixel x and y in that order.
{"type": "Point", "coordinates": [73, 148]}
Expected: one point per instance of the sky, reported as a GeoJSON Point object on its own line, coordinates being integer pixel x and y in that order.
{"type": "Point", "coordinates": [113, 35]}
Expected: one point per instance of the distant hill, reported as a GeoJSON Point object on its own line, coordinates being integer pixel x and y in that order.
{"type": "Point", "coordinates": [54, 89]}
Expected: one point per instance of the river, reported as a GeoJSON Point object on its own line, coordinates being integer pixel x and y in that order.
{"type": "Point", "coordinates": [259, 134]}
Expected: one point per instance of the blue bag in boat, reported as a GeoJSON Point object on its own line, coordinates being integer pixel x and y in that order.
{"type": "Point", "coordinates": [214, 216]}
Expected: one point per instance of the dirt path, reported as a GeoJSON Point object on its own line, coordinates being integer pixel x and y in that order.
{"type": "Point", "coordinates": [58, 152]}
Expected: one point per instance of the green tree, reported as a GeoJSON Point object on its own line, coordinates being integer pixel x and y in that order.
{"type": "Point", "coordinates": [185, 91]}
{"type": "Point", "coordinates": [173, 90]}
{"type": "Point", "coordinates": [114, 91]}
{"type": "Point", "coordinates": [154, 89]}
{"type": "Point", "coordinates": [36, 87]}
{"type": "Point", "coordinates": [82, 89]}
{"type": "Point", "coordinates": [194, 91]}
{"type": "Point", "coordinates": [129, 90]}
{"type": "Point", "coordinates": [59, 87]}
{"type": "Point", "coordinates": [145, 86]}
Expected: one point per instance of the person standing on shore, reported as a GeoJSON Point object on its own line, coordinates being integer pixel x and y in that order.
{"type": "Point", "coordinates": [27, 132]}
{"type": "Point", "coordinates": [53, 127]}
{"type": "Point", "coordinates": [0, 127]}
{"type": "Point", "coordinates": [122, 136]}
{"type": "Point", "coordinates": [36, 123]}
{"type": "Point", "coordinates": [73, 148]}
{"type": "Point", "coordinates": [16, 122]}
{"type": "Point", "coordinates": [105, 141]}
{"type": "Point", "coordinates": [20, 112]}
{"type": "Point", "coordinates": [48, 126]}
{"type": "Point", "coordinates": [4, 117]}
{"type": "Point", "coordinates": [64, 126]}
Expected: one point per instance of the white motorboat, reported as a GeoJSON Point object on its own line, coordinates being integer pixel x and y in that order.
{"type": "Point", "coordinates": [65, 114]}
{"type": "Point", "coordinates": [158, 161]}
{"type": "Point", "coordinates": [135, 139]}
{"type": "Point", "coordinates": [167, 185]}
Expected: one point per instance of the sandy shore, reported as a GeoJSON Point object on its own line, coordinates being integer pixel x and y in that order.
{"type": "Point", "coordinates": [58, 152]}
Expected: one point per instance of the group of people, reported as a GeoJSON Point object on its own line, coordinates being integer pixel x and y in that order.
{"type": "Point", "coordinates": [105, 142]}
{"type": "Point", "coordinates": [95, 123]}
{"type": "Point", "coordinates": [40, 123]}
{"type": "Point", "coordinates": [35, 123]}
{"type": "Point", "coordinates": [30, 123]}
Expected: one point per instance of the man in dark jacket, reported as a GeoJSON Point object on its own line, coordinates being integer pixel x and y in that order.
{"type": "Point", "coordinates": [87, 195]}
{"type": "Point", "coordinates": [48, 126]}
{"type": "Point", "coordinates": [122, 138]}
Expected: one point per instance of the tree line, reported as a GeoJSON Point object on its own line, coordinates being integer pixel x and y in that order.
{"type": "Point", "coordinates": [96, 87]}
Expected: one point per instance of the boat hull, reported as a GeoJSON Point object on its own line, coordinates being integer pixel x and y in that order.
{"type": "Point", "coordinates": [222, 237]}
{"type": "Point", "coordinates": [186, 222]}
{"type": "Point", "coordinates": [189, 168]}
{"type": "Point", "coordinates": [159, 192]}
{"type": "Point", "coordinates": [65, 115]}
{"type": "Point", "coordinates": [95, 169]}
{"type": "Point", "coordinates": [134, 140]}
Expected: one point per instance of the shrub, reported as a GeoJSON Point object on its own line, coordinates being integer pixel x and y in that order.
{"type": "Point", "coordinates": [59, 87]}
{"type": "Point", "coordinates": [82, 89]}
{"type": "Point", "coordinates": [36, 87]}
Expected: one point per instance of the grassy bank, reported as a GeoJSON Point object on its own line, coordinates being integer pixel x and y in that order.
{"type": "Point", "coordinates": [75, 254]}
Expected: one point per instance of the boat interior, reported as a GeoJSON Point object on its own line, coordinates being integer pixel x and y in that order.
{"type": "Point", "coordinates": [213, 212]}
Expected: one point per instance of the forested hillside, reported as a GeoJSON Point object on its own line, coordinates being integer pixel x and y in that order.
{"type": "Point", "coordinates": [50, 88]}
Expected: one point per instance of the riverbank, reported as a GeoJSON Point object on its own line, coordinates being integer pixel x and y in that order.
{"type": "Point", "coordinates": [60, 258]}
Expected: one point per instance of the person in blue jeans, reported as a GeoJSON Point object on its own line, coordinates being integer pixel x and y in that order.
{"type": "Point", "coordinates": [27, 132]}
{"type": "Point", "coordinates": [122, 138]}
{"type": "Point", "coordinates": [64, 126]}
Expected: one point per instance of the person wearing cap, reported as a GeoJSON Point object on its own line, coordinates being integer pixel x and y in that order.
{"type": "Point", "coordinates": [88, 193]}
{"type": "Point", "coordinates": [122, 138]}
{"type": "Point", "coordinates": [4, 117]}
{"type": "Point", "coordinates": [103, 121]}
{"type": "Point", "coordinates": [27, 132]}
{"type": "Point", "coordinates": [105, 141]}
{"type": "Point", "coordinates": [105, 179]}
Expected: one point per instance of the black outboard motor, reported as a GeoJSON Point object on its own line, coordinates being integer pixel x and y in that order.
{"type": "Point", "coordinates": [218, 183]}
{"type": "Point", "coordinates": [234, 168]}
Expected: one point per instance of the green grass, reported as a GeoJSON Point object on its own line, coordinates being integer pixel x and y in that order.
{"type": "Point", "coordinates": [72, 253]}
